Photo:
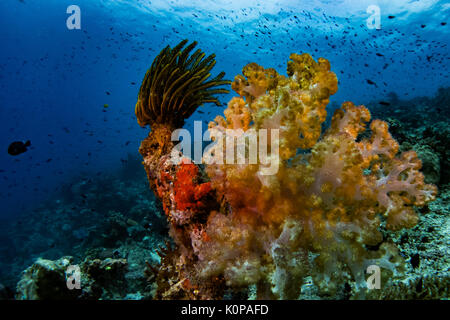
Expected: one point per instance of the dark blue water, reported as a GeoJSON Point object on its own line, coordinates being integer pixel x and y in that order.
{"type": "Point", "coordinates": [54, 82]}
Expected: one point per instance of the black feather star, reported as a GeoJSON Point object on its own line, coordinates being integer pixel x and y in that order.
{"type": "Point", "coordinates": [176, 84]}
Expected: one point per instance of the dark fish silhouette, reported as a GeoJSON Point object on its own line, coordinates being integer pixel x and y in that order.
{"type": "Point", "coordinates": [18, 147]}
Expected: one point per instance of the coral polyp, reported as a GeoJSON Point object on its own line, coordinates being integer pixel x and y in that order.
{"type": "Point", "coordinates": [176, 84]}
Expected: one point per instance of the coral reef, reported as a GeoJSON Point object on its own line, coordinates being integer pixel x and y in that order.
{"type": "Point", "coordinates": [342, 199]}
{"type": "Point", "coordinates": [425, 287]}
{"type": "Point", "coordinates": [320, 215]}
{"type": "Point", "coordinates": [46, 279]}
{"type": "Point", "coordinates": [420, 124]}
{"type": "Point", "coordinates": [113, 215]}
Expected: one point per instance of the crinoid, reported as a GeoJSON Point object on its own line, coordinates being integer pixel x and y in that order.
{"type": "Point", "coordinates": [176, 84]}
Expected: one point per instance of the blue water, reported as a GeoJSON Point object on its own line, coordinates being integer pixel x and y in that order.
{"type": "Point", "coordinates": [54, 82]}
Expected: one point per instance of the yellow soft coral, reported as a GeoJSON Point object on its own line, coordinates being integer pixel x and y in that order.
{"type": "Point", "coordinates": [237, 114]}
{"type": "Point", "coordinates": [331, 200]}
{"type": "Point", "coordinates": [255, 81]}
{"type": "Point", "coordinates": [296, 105]}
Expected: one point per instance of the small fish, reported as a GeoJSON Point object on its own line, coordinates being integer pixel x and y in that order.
{"type": "Point", "coordinates": [105, 105]}
{"type": "Point", "coordinates": [18, 147]}
{"type": "Point", "coordinates": [391, 17]}
{"type": "Point", "coordinates": [384, 103]}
